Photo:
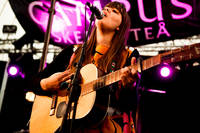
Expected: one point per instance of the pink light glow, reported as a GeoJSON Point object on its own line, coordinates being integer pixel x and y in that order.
{"type": "Point", "coordinates": [69, 18]}
{"type": "Point", "coordinates": [68, 21]}
{"type": "Point", "coordinates": [165, 72]}
{"type": "Point", "coordinates": [157, 91]}
{"type": "Point", "coordinates": [13, 70]}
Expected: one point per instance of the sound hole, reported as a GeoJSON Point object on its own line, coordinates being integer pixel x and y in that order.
{"type": "Point", "coordinates": [61, 109]}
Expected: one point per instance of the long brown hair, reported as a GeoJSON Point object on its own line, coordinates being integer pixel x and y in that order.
{"type": "Point", "coordinates": [117, 49]}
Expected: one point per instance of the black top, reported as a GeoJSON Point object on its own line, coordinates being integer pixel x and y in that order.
{"type": "Point", "coordinates": [59, 64]}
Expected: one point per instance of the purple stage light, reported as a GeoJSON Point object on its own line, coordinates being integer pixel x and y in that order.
{"type": "Point", "coordinates": [156, 91]}
{"type": "Point", "coordinates": [165, 71]}
{"type": "Point", "coordinates": [13, 70]}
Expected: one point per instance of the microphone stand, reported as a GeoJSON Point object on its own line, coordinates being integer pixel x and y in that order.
{"type": "Point", "coordinates": [139, 90]}
{"type": "Point", "coordinates": [47, 35]}
{"type": "Point", "coordinates": [66, 126]}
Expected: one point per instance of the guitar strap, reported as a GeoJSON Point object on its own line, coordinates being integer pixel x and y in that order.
{"type": "Point", "coordinates": [111, 87]}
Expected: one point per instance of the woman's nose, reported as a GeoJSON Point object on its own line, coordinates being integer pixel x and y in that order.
{"type": "Point", "coordinates": [105, 12]}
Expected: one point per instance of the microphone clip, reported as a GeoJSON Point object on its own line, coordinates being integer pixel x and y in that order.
{"type": "Point", "coordinates": [95, 10]}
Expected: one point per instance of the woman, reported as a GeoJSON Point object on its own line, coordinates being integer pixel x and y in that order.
{"type": "Point", "coordinates": [106, 50]}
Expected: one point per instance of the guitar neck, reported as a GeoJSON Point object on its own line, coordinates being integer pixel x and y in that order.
{"type": "Point", "coordinates": [173, 56]}
{"type": "Point", "coordinates": [101, 82]}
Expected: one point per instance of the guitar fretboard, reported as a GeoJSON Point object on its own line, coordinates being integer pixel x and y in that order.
{"type": "Point", "coordinates": [101, 82]}
{"type": "Point", "coordinates": [177, 55]}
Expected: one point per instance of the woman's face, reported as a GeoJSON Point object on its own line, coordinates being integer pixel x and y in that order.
{"type": "Point", "coordinates": [111, 20]}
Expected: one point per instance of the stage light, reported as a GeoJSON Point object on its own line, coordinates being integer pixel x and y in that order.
{"type": "Point", "coordinates": [30, 96]}
{"type": "Point", "coordinates": [165, 70]}
{"type": "Point", "coordinates": [13, 70]}
{"type": "Point", "coordinates": [157, 91]}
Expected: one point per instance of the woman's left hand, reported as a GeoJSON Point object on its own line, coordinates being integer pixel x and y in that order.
{"type": "Point", "coordinates": [129, 75]}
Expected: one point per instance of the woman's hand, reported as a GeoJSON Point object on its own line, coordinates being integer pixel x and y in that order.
{"type": "Point", "coordinates": [129, 75]}
{"type": "Point", "coordinates": [53, 82]}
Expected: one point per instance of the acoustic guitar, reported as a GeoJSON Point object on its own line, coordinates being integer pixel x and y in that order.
{"type": "Point", "coordinates": [91, 108]}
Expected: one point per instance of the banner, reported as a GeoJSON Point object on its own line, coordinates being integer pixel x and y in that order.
{"type": "Point", "coordinates": [152, 20]}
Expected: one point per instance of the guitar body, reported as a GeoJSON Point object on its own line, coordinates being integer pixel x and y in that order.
{"type": "Point", "coordinates": [91, 108]}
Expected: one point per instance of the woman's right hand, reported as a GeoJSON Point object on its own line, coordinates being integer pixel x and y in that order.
{"type": "Point", "coordinates": [53, 82]}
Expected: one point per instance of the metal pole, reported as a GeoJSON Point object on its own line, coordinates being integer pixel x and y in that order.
{"type": "Point", "coordinates": [3, 85]}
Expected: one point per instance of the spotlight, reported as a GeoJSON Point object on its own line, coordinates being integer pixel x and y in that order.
{"type": "Point", "coordinates": [30, 96]}
{"type": "Point", "coordinates": [165, 71]}
{"type": "Point", "coordinates": [13, 70]}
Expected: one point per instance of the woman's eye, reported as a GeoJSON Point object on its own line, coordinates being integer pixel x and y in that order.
{"type": "Point", "coordinates": [114, 11]}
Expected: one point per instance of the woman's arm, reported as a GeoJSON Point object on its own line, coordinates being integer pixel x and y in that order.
{"type": "Point", "coordinates": [59, 64]}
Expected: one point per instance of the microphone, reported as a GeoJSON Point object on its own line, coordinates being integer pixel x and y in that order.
{"type": "Point", "coordinates": [95, 10]}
